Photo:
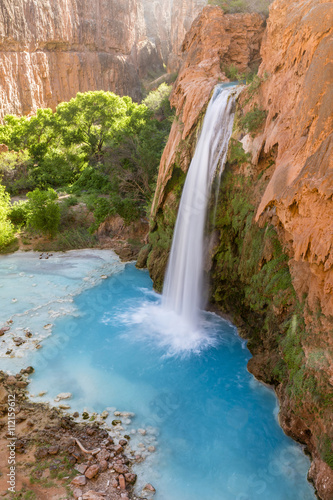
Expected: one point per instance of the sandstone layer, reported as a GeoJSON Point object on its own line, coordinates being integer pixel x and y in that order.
{"type": "Point", "coordinates": [51, 50]}
{"type": "Point", "coordinates": [215, 41]}
{"type": "Point", "coordinates": [298, 96]}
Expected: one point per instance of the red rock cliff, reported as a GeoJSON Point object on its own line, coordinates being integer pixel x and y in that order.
{"type": "Point", "coordinates": [50, 50]}
{"type": "Point", "coordinates": [214, 41]}
{"type": "Point", "coordinates": [297, 93]}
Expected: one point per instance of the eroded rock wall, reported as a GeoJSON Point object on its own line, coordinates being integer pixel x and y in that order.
{"type": "Point", "coordinates": [50, 50]}
{"type": "Point", "coordinates": [53, 49]}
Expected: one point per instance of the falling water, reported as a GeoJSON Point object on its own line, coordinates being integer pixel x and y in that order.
{"type": "Point", "coordinates": [182, 292]}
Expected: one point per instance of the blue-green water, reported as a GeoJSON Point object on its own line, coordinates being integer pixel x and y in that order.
{"type": "Point", "coordinates": [218, 436]}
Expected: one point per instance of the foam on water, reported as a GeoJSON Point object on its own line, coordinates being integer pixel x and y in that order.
{"type": "Point", "coordinates": [163, 329]}
{"type": "Point", "coordinates": [35, 291]}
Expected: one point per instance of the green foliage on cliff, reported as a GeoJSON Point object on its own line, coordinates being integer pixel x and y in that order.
{"type": "Point", "coordinates": [253, 119]}
{"type": "Point", "coordinates": [234, 6]}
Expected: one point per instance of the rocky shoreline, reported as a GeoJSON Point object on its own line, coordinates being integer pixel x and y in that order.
{"type": "Point", "coordinates": [56, 456]}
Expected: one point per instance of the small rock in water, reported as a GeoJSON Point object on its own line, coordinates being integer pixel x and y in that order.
{"type": "Point", "coordinates": [117, 413]}
{"type": "Point", "coordinates": [104, 277]}
{"type": "Point", "coordinates": [18, 341]}
{"type": "Point", "coordinates": [64, 406]}
{"type": "Point", "coordinates": [14, 300]}
{"type": "Point", "coordinates": [63, 395]}
{"type": "Point", "coordinates": [42, 393]}
{"type": "Point", "coordinates": [48, 326]}
{"type": "Point", "coordinates": [116, 422]}
{"type": "Point", "coordinates": [28, 335]}
{"type": "Point", "coordinates": [143, 432]}
{"type": "Point", "coordinates": [8, 352]}
{"type": "Point", "coordinates": [151, 449]}
{"type": "Point", "coordinates": [149, 487]}
{"type": "Point", "coordinates": [85, 415]}
{"type": "Point", "coordinates": [76, 414]}
{"type": "Point", "coordinates": [104, 414]}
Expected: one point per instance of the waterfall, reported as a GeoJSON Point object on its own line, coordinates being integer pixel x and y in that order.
{"type": "Point", "coordinates": [182, 292]}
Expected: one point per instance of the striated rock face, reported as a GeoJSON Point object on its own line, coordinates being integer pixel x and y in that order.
{"type": "Point", "coordinates": [215, 41]}
{"type": "Point", "coordinates": [298, 95]}
{"type": "Point", "coordinates": [50, 50]}
{"type": "Point", "coordinates": [183, 14]}
{"type": "Point", "coordinates": [53, 49]}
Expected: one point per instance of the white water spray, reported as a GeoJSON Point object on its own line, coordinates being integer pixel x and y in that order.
{"type": "Point", "coordinates": [182, 292]}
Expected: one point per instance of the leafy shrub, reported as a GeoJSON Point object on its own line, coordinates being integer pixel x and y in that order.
{"type": "Point", "coordinates": [158, 101]}
{"type": "Point", "coordinates": [91, 180]}
{"type": "Point", "coordinates": [237, 153]}
{"type": "Point", "coordinates": [6, 227]}
{"type": "Point", "coordinates": [102, 208]}
{"type": "Point", "coordinates": [44, 211]}
{"type": "Point", "coordinates": [19, 213]}
{"type": "Point", "coordinates": [253, 120]}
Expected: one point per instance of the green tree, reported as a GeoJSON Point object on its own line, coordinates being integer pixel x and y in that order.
{"type": "Point", "coordinates": [91, 119]}
{"type": "Point", "coordinates": [43, 211]}
{"type": "Point", "coordinates": [6, 227]}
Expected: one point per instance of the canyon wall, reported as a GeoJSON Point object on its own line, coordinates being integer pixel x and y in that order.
{"type": "Point", "coordinates": [270, 258]}
{"type": "Point", "coordinates": [53, 49]}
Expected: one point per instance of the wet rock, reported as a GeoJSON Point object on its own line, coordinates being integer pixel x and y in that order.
{"type": "Point", "coordinates": [18, 341]}
{"type": "Point", "coordinates": [9, 351]}
{"type": "Point", "coordinates": [92, 471]}
{"type": "Point", "coordinates": [143, 432]}
{"type": "Point", "coordinates": [116, 422]}
{"type": "Point", "coordinates": [104, 414]}
{"type": "Point", "coordinates": [122, 442]}
{"type": "Point", "coordinates": [64, 406]}
{"type": "Point", "coordinates": [122, 482]}
{"type": "Point", "coordinates": [63, 395]}
{"type": "Point", "coordinates": [79, 481]}
{"type": "Point", "coordinates": [11, 380]}
{"type": "Point", "coordinates": [28, 335]}
{"type": "Point", "coordinates": [76, 414]}
{"type": "Point", "coordinates": [149, 487]}
{"type": "Point", "coordinates": [85, 415]}
{"type": "Point", "coordinates": [151, 449]}
{"type": "Point", "coordinates": [130, 478]}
